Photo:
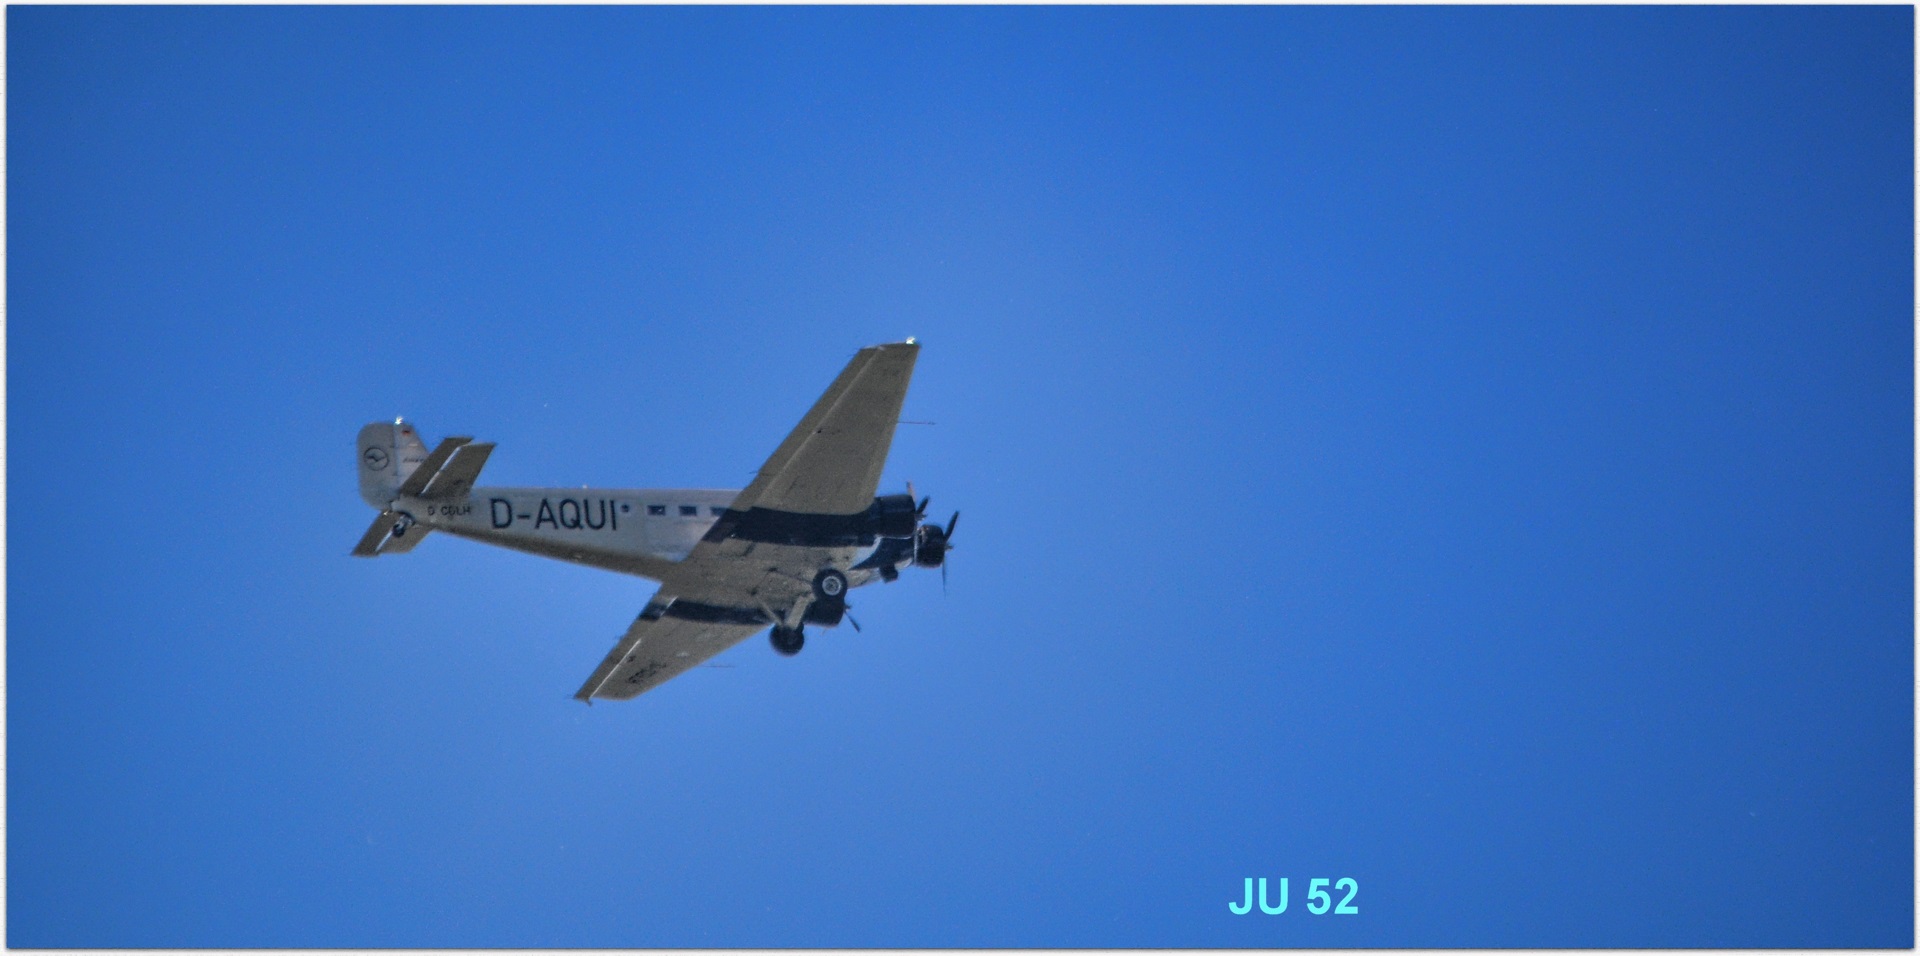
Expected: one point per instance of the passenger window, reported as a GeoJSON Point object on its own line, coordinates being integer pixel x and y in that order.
{"type": "Point", "coordinates": [717, 510]}
{"type": "Point", "coordinates": [688, 511]}
{"type": "Point", "coordinates": [656, 509]}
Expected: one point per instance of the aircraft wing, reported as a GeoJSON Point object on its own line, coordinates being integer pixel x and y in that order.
{"type": "Point", "coordinates": [710, 601]}
{"type": "Point", "coordinates": [667, 640]}
{"type": "Point", "coordinates": [795, 513]}
{"type": "Point", "coordinates": [830, 463]}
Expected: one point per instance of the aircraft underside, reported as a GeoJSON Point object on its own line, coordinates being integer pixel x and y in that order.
{"type": "Point", "coordinates": [781, 553]}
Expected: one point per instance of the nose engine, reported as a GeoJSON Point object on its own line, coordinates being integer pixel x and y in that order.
{"type": "Point", "coordinates": [932, 542]}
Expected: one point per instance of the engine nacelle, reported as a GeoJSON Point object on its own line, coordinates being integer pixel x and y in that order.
{"type": "Point", "coordinates": [892, 516]}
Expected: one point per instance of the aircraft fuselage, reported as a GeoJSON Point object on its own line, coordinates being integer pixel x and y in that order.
{"type": "Point", "coordinates": [610, 528]}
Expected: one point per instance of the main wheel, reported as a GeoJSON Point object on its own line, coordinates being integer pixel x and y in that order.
{"type": "Point", "coordinates": [830, 585]}
{"type": "Point", "coordinates": [787, 640]}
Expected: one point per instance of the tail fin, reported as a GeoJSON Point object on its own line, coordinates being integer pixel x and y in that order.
{"type": "Point", "coordinates": [389, 454]}
{"type": "Point", "coordinates": [395, 463]}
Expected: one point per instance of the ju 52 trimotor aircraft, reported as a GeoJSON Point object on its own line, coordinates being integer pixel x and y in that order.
{"type": "Point", "coordinates": [782, 552]}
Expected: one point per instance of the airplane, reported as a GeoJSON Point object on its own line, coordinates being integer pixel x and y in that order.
{"type": "Point", "coordinates": [783, 552]}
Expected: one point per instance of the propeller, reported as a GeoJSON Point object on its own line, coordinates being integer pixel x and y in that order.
{"type": "Point", "coordinates": [946, 545]}
{"type": "Point", "coordinates": [930, 541]}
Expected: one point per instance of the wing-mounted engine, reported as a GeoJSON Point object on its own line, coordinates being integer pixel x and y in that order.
{"type": "Point", "coordinates": [898, 517]}
{"type": "Point", "coordinates": [892, 516]}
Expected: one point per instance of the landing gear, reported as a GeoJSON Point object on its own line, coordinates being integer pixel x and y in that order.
{"type": "Point", "coordinates": [787, 641]}
{"type": "Point", "coordinates": [828, 606]}
{"type": "Point", "coordinates": [829, 598]}
{"type": "Point", "coordinates": [830, 585]}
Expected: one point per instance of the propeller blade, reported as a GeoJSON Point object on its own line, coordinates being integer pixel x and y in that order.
{"type": "Point", "coordinates": [921, 511]}
{"type": "Point", "coordinates": [951, 523]}
{"type": "Point", "coordinates": [856, 624]}
{"type": "Point", "coordinates": [943, 579]}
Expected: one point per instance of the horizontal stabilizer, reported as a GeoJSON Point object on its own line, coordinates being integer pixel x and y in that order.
{"type": "Point", "coordinates": [417, 482]}
{"type": "Point", "coordinates": [457, 478]}
{"type": "Point", "coordinates": [392, 532]}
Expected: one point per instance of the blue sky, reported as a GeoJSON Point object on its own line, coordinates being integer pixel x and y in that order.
{"type": "Point", "coordinates": [1464, 450]}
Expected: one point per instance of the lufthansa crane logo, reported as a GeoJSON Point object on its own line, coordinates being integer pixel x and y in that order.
{"type": "Point", "coordinates": [376, 459]}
